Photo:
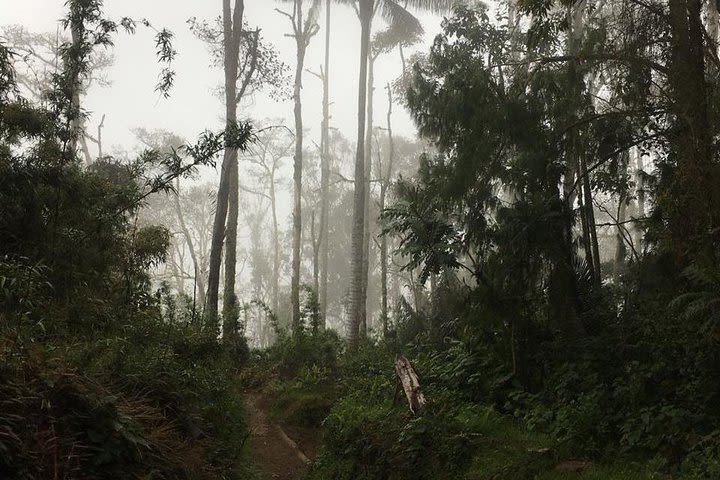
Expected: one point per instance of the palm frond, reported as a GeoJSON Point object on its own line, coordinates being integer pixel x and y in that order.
{"type": "Point", "coordinates": [312, 14]}
{"type": "Point", "coordinates": [432, 6]}
{"type": "Point", "coordinates": [386, 40]}
{"type": "Point", "coordinates": [403, 25]}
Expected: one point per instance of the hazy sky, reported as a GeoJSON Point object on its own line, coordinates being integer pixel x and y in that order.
{"type": "Point", "coordinates": [131, 102]}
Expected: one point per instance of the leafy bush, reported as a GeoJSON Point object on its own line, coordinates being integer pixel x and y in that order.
{"type": "Point", "coordinates": [292, 353]}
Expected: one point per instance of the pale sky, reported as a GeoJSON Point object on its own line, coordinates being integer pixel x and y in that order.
{"type": "Point", "coordinates": [131, 102]}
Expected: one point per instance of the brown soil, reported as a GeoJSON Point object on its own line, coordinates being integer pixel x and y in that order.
{"type": "Point", "coordinates": [278, 453]}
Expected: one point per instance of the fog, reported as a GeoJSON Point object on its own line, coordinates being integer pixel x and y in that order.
{"type": "Point", "coordinates": [486, 246]}
{"type": "Point", "coordinates": [193, 106]}
{"type": "Point", "coordinates": [128, 102]}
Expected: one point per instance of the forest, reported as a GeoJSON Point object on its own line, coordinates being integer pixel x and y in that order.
{"type": "Point", "coordinates": [386, 240]}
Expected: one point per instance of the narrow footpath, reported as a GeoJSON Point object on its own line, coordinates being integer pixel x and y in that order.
{"type": "Point", "coordinates": [276, 455]}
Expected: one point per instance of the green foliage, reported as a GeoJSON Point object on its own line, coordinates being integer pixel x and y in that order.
{"type": "Point", "coordinates": [519, 316]}
{"type": "Point", "coordinates": [292, 353]}
{"type": "Point", "coordinates": [100, 376]}
{"type": "Point", "coordinates": [368, 435]}
{"type": "Point", "coordinates": [304, 402]}
{"type": "Point", "coordinates": [159, 400]}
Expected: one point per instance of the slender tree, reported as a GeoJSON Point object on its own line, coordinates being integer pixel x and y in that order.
{"type": "Point", "coordinates": [384, 185]}
{"type": "Point", "coordinates": [249, 65]}
{"type": "Point", "coordinates": [303, 29]}
{"type": "Point", "coordinates": [355, 304]}
{"type": "Point", "coordinates": [367, 235]}
{"type": "Point", "coordinates": [232, 28]}
{"type": "Point", "coordinates": [640, 199]}
{"type": "Point", "coordinates": [399, 18]}
{"type": "Point", "coordinates": [325, 173]}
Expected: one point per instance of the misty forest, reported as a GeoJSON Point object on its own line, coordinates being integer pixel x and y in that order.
{"type": "Point", "coordinates": [360, 239]}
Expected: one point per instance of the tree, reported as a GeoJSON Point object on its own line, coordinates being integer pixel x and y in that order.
{"type": "Point", "coordinates": [303, 29]}
{"type": "Point", "coordinates": [325, 172]}
{"type": "Point", "coordinates": [400, 18]}
{"type": "Point", "coordinates": [355, 303]}
{"type": "Point", "coordinates": [404, 30]}
{"type": "Point", "coordinates": [384, 185]}
{"type": "Point", "coordinates": [695, 181]}
{"type": "Point", "coordinates": [248, 65]}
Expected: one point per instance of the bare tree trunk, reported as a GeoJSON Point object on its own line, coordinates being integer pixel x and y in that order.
{"type": "Point", "coordinates": [232, 27]}
{"type": "Point", "coordinates": [276, 248]}
{"type": "Point", "coordinates": [316, 253]}
{"type": "Point", "coordinates": [355, 304]}
{"type": "Point", "coordinates": [301, 43]}
{"type": "Point", "coordinates": [368, 173]}
{"type": "Point", "coordinates": [176, 273]}
{"type": "Point", "coordinates": [640, 192]}
{"type": "Point", "coordinates": [620, 238]}
{"type": "Point", "coordinates": [586, 240]}
{"type": "Point", "coordinates": [76, 35]}
{"type": "Point", "coordinates": [410, 383]}
{"type": "Point", "coordinates": [325, 174]}
{"type": "Point", "coordinates": [84, 144]}
{"type": "Point", "coordinates": [620, 248]}
{"type": "Point", "coordinates": [383, 239]}
{"type": "Point", "coordinates": [230, 311]}
{"type": "Point", "coordinates": [99, 137]}
{"type": "Point", "coordinates": [713, 23]}
{"type": "Point", "coordinates": [590, 218]}
{"type": "Point", "coordinates": [592, 251]}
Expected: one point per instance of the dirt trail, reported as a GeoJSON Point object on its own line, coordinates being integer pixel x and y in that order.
{"type": "Point", "coordinates": [277, 456]}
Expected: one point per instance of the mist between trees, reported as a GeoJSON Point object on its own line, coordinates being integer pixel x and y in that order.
{"type": "Point", "coordinates": [536, 270]}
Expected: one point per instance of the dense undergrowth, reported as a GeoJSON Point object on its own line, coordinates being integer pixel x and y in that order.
{"type": "Point", "coordinates": [153, 400]}
{"type": "Point", "coordinates": [616, 407]}
{"type": "Point", "coordinates": [103, 375]}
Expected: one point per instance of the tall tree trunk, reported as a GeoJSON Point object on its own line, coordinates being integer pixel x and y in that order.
{"type": "Point", "coordinates": [590, 218]}
{"type": "Point", "coordinates": [693, 209]}
{"type": "Point", "coordinates": [177, 273]}
{"type": "Point", "coordinates": [713, 23]}
{"type": "Point", "coordinates": [384, 314]}
{"type": "Point", "coordinates": [586, 239]}
{"type": "Point", "coordinates": [99, 137]}
{"type": "Point", "coordinates": [300, 41]}
{"type": "Point", "coordinates": [276, 248]}
{"type": "Point", "coordinates": [368, 173]}
{"type": "Point", "coordinates": [355, 303]}
{"type": "Point", "coordinates": [232, 26]}
{"type": "Point", "coordinates": [592, 251]}
{"type": "Point", "coordinates": [640, 193]}
{"type": "Point", "coordinates": [77, 29]}
{"type": "Point", "coordinates": [620, 248]}
{"type": "Point", "coordinates": [316, 253]}
{"type": "Point", "coordinates": [563, 292]}
{"type": "Point", "coordinates": [83, 143]}
{"type": "Point", "coordinates": [325, 174]}
{"type": "Point", "coordinates": [230, 307]}
{"type": "Point", "coordinates": [620, 237]}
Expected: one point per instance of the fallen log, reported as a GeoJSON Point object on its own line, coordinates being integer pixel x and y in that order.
{"type": "Point", "coordinates": [408, 378]}
{"type": "Point", "coordinates": [294, 446]}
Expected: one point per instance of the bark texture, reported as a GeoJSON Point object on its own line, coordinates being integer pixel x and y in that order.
{"type": "Point", "coordinates": [325, 173]}
{"type": "Point", "coordinates": [232, 26]}
{"type": "Point", "coordinates": [355, 304]}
